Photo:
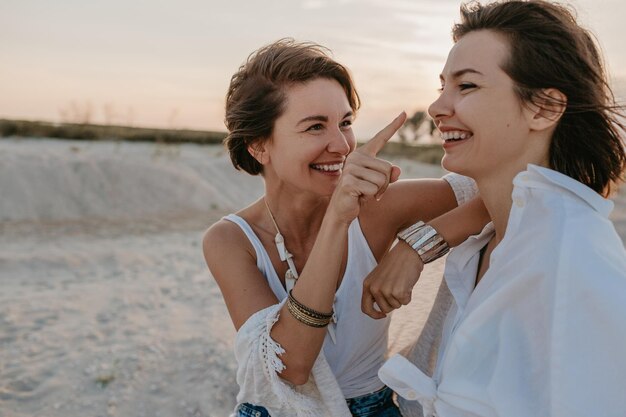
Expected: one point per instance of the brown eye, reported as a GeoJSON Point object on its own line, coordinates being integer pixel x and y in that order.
{"type": "Point", "coordinates": [466, 86]}
{"type": "Point", "coordinates": [346, 124]}
{"type": "Point", "coordinates": [317, 126]}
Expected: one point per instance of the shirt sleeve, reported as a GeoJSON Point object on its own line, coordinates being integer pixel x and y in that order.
{"type": "Point", "coordinates": [588, 369]}
{"type": "Point", "coordinates": [259, 365]}
{"type": "Point", "coordinates": [464, 187]}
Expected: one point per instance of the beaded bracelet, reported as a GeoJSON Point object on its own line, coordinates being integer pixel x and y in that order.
{"type": "Point", "coordinates": [307, 315]}
{"type": "Point", "coordinates": [425, 240]}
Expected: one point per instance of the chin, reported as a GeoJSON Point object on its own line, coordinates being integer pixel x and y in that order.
{"type": "Point", "coordinates": [449, 164]}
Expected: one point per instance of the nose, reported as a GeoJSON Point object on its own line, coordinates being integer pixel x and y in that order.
{"type": "Point", "coordinates": [341, 142]}
{"type": "Point", "coordinates": [441, 108]}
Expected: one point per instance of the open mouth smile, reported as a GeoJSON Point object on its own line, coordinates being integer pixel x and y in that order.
{"type": "Point", "coordinates": [329, 168]}
{"type": "Point", "coordinates": [455, 136]}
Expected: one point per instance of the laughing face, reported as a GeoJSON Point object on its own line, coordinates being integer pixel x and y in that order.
{"type": "Point", "coordinates": [484, 126]}
{"type": "Point", "coordinates": [311, 139]}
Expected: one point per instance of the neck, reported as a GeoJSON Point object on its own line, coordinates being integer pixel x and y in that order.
{"type": "Point", "coordinates": [496, 194]}
{"type": "Point", "coordinates": [298, 216]}
{"type": "Point", "coordinates": [496, 184]}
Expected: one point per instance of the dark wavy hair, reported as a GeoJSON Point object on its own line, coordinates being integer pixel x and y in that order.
{"type": "Point", "coordinates": [256, 96]}
{"type": "Point", "coordinates": [549, 49]}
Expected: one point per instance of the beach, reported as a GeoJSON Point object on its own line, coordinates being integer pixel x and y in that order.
{"type": "Point", "coordinates": [107, 307]}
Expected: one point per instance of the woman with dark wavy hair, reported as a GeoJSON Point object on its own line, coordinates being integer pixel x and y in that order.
{"type": "Point", "coordinates": [538, 322]}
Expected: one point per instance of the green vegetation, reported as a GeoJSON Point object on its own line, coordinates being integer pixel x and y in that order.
{"type": "Point", "coordinates": [77, 131]}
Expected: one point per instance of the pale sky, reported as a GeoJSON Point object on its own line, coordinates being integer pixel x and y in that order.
{"type": "Point", "coordinates": [168, 63]}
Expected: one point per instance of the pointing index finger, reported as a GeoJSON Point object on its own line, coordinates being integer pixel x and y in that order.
{"type": "Point", "coordinates": [374, 145]}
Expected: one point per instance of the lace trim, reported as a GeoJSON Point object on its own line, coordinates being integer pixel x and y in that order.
{"type": "Point", "coordinates": [308, 403]}
{"type": "Point", "coordinates": [464, 188]}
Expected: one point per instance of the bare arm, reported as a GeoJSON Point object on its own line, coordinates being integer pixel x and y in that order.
{"type": "Point", "coordinates": [390, 284]}
{"type": "Point", "coordinates": [404, 203]}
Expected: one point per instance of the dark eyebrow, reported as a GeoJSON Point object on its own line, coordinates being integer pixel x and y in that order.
{"type": "Point", "coordinates": [460, 73]}
{"type": "Point", "coordinates": [319, 118]}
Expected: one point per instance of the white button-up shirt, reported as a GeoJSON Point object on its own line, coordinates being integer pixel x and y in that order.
{"type": "Point", "coordinates": [544, 331]}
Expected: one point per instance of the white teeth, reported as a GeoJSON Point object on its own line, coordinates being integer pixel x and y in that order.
{"type": "Point", "coordinates": [331, 167]}
{"type": "Point", "coordinates": [455, 135]}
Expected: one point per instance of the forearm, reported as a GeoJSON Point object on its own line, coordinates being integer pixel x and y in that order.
{"type": "Point", "coordinates": [462, 222]}
{"type": "Point", "coordinates": [316, 289]}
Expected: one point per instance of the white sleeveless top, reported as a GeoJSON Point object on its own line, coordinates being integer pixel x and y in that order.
{"type": "Point", "coordinates": [361, 341]}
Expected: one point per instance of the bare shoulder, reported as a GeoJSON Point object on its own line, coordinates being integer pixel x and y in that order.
{"type": "Point", "coordinates": [223, 232]}
{"type": "Point", "coordinates": [231, 259]}
{"type": "Point", "coordinates": [225, 240]}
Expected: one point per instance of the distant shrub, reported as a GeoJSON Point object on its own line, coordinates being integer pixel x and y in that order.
{"type": "Point", "coordinates": [76, 131]}
{"type": "Point", "coordinates": [8, 128]}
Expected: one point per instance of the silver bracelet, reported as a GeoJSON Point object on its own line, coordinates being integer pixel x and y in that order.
{"type": "Point", "coordinates": [425, 240]}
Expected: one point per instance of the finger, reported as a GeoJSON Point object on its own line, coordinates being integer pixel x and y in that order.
{"type": "Point", "coordinates": [405, 298]}
{"type": "Point", "coordinates": [377, 178]}
{"type": "Point", "coordinates": [368, 161]}
{"type": "Point", "coordinates": [374, 145]}
{"type": "Point", "coordinates": [395, 174]}
{"type": "Point", "coordinates": [393, 302]}
{"type": "Point", "coordinates": [383, 304]}
{"type": "Point", "coordinates": [379, 170]}
{"type": "Point", "coordinates": [367, 305]}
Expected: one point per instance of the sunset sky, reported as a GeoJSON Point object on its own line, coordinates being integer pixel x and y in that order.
{"type": "Point", "coordinates": [168, 63]}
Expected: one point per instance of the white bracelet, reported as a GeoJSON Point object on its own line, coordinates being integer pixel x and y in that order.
{"type": "Point", "coordinates": [425, 240]}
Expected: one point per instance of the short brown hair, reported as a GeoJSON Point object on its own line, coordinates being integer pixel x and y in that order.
{"type": "Point", "coordinates": [256, 95]}
{"type": "Point", "coordinates": [550, 50]}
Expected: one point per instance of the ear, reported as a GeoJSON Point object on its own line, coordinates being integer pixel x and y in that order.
{"type": "Point", "coordinates": [258, 150]}
{"type": "Point", "coordinates": [549, 106]}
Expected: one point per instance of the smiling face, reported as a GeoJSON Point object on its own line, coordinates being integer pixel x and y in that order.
{"type": "Point", "coordinates": [311, 139]}
{"type": "Point", "coordinates": [485, 127]}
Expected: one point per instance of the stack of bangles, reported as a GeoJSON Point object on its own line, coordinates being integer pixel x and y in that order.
{"type": "Point", "coordinates": [307, 315]}
{"type": "Point", "coordinates": [424, 240]}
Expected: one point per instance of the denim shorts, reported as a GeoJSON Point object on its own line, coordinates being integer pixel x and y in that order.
{"type": "Point", "coordinates": [376, 404]}
{"type": "Point", "coordinates": [249, 410]}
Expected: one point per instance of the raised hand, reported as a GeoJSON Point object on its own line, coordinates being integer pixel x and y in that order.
{"type": "Point", "coordinates": [364, 175]}
{"type": "Point", "coordinates": [391, 283]}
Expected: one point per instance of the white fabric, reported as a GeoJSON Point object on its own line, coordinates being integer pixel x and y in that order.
{"type": "Point", "coordinates": [361, 341]}
{"type": "Point", "coordinates": [544, 332]}
{"type": "Point", "coordinates": [258, 361]}
{"type": "Point", "coordinates": [464, 187]}
{"type": "Point", "coordinates": [423, 351]}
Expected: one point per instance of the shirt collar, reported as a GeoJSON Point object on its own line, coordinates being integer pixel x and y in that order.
{"type": "Point", "coordinates": [540, 177]}
{"type": "Point", "coordinates": [461, 285]}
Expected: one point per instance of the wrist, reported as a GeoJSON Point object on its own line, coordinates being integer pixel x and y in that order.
{"type": "Point", "coordinates": [335, 221]}
{"type": "Point", "coordinates": [410, 258]}
{"type": "Point", "coordinates": [425, 241]}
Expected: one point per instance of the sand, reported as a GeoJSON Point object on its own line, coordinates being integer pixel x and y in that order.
{"type": "Point", "coordinates": [106, 305]}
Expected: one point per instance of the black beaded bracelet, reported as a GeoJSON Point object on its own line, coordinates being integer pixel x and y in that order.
{"type": "Point", "coordinates": [307, 315]}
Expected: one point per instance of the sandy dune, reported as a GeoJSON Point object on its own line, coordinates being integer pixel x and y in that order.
{"type": "Point", "coordinates": [106, 305]}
